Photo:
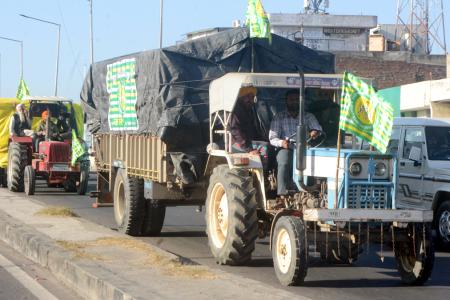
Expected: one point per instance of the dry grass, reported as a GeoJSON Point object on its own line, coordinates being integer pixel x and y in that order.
{"type": "Point", "coordinates": [78, 248]}
{"type": "Point", "coordinates": [56, 211]}
{"type": "Point", "coordinates": [152, 258]}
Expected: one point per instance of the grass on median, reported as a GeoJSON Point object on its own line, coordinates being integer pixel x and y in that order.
{"type": "Point", "coordinates": [56, 211]}
{"type": "Point", "coordinates": [152, 257]}
{"type": "Point", "coordinates": [79, 250]}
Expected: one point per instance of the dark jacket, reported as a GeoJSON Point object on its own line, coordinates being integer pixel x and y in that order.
{"type": "Point", "coordinates": [17, 127]}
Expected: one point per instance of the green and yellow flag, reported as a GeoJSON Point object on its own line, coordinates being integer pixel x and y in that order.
{"type": "Point", "coordinates": [77, 148]}
{"type": "Point", "coordinates": [257, 21]}
{"type": "Point", "coordinates": [364, 113]}
{"type": "Point", "coordinates": [22, 90]}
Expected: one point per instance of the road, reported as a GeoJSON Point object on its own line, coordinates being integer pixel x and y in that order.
{"type": "Point", "coordinates": [21, 278]}
{"type": "Point", "coordinates": [184, 235]}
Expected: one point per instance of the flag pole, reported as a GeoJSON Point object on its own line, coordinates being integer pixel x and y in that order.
{"type": "Point", "coordinates": [253, 55]}
{"type": "Point", "coordinates": [336, 192]}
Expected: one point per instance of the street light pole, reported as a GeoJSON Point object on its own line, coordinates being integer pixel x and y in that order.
{"type": "Point", "coordinates": [21, 52]}
{"type": "Point", "coordinates": [57, 45]}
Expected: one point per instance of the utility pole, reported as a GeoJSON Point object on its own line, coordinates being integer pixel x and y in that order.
{"type": "Point", "coordinates": [58, 41]}
{"type": "Point", "coordinates": [91, 33]}
{"type": "Point", "coordinates": [161, 10]}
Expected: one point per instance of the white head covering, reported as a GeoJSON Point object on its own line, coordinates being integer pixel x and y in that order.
{"type": "Point", "coordinates": [20, 105]}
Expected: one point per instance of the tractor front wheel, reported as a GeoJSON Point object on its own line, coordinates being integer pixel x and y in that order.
{"type": "Point", "coordinates": [17, 160]}
{"type": "Point", "coordinates": [29, 180]}
{"type": "Point", "coordinates": [415, 257]}
{"type": "Point", "coordinates": [290, 251]}
{"type": "Point", "coordinates": [231, 220]}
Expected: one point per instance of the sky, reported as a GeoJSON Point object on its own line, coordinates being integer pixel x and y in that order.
{"type": "Point", "coordinates": [123, 27]}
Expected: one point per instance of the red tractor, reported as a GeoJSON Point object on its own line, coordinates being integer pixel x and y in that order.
{"type": "Point", "coordinates": [47, 156]}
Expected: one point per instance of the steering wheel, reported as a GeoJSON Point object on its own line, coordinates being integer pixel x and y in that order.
{"type": "Point", "coordinates": [312, 143]}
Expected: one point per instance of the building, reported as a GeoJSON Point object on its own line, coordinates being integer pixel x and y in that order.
{"type": "Point", "coordinates": [430, 98]}
{"type": "Point", "coordinates": [360, 45]}
{"type": "Point", "coordinates": [332, 33]}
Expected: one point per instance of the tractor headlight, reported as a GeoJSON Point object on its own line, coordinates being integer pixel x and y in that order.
{"type": "Point", "coordinates": [380, 169]}
{"type": "Point", "coordinates": [355, 169]}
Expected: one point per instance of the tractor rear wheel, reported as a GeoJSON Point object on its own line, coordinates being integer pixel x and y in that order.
{"type": "Point", "coordinates": [129, 203]}
{"type": "Point", "coordinates": [29, 180]}
{"type": "Point", "coordinates": [415, 257]}
{"type": "Point", "coordinates": [290, 251]}
{"type": "Point", "coordinates": [17, 160]}
{"type": "Point", "coordinates": [231, 220]}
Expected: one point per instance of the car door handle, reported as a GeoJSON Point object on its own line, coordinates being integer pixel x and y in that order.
{"type": "Point", "coordinates": [402, 164]}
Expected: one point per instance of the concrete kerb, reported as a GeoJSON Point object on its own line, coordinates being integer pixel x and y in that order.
{"type": "Point", "coordinates": [44, 251]}
{"type": "Point", "coordinates": [35, 237]}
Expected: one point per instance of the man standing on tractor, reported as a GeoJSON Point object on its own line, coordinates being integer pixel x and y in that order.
{"type": "Point", "coordinates": [19, 121]}
{"type": "Point", "coordinates": [282, 129]}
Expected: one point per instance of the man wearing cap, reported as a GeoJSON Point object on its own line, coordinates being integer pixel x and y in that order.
{"type": "Point", "coordinates": [282, 128]}
{"type": "Point", "coordinates": [19, 121]}
{"type": "Point", "coordinates": [41, 130]}
{"type": "Point", "coordinates": [243, 128]}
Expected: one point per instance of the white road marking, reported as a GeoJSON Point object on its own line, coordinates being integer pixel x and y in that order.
{"type": "Point", "coordinates": [29, 283]}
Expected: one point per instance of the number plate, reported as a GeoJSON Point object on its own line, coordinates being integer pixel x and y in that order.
{"type": "Point", "coordinates": [60, 167]}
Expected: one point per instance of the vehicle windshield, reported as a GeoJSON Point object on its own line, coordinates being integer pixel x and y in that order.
{"type": "Point", "coordinates": [438, 142]}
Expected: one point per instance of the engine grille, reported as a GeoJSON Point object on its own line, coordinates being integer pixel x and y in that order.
{"type": "Point", "coordinates": [59, 152]}
{"type": "Point", "coordinates": [368, 196]}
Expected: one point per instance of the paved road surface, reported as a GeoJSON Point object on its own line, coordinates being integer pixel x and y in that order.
{"type": "Point", "coordinates": [22, 279]}
{"type": "Point", "coordinates": [183, 234]}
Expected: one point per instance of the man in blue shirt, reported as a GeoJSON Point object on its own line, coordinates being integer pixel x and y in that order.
{"type": "Point", "coordinates": [283, 127]}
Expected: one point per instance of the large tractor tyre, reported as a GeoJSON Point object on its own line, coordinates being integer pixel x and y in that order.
{"type": "Point", "coordinates": [129, 204]}
{"type": "Point", "coordinates": [17, 160]}
{"type": "Point", "coordinates": [84, 181]}
{"type": "Point", "coordinates": [154, 218]}
{"type": "Point", "coordinates": [290, 251]}
{"type": "Point", "coordinates": [29, 180]}
{"type": "Point", "coordinates": [415, 257]}
{"type": "Point", "coordinates": [231, 220]}
{"type": "Point", "coordinates": [442, 225]}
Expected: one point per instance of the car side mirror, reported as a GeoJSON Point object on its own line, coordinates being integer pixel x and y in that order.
{"type": "Point", "coordinates": [415, 155]}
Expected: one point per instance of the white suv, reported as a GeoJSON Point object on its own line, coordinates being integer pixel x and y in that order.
{"type": "Point", "coordinates": [423, 151]}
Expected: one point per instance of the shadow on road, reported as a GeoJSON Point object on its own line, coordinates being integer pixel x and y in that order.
{"type": "Point", "coordinates": [176, 234]}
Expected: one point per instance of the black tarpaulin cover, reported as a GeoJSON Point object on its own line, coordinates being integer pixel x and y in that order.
{"type": "Point", "coordinates": [172, 84]}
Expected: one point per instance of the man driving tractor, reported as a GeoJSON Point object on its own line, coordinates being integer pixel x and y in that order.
{"type": "Point", "coordinates": [283, 128]}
